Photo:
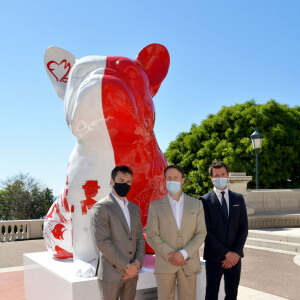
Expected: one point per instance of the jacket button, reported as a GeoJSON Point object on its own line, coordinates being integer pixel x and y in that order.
{"type": "Point", "coordinates": [130, 252]}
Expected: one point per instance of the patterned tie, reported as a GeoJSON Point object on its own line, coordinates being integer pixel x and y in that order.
{"type": "Point", "coordinates": [224, 205]}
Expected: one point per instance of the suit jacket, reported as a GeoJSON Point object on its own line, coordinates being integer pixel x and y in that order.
{"type": "Point", "coordinates": [164, 237]}
{"type": "Point", "coordinates": [224, 234]}
{"type": "Point", "coordinates": [117, 245]}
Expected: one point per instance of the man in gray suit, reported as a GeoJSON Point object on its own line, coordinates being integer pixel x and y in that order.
{"type": "Point", "coordinates": [176, 230]}
{"type": "Point", "coordinates": [118, 235]}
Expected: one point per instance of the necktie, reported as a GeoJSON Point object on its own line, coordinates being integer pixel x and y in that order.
{"type": "Point", "coordinates": [224, 205]}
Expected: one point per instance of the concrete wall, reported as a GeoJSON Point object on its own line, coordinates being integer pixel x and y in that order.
{"type": "Point", "coordinates": [274, 201]}
{"type": "Point", "coordinates": [265, 201]}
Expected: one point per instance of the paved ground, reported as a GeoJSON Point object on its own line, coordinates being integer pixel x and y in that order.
{"type": "Point", "coordinates": [267, 272]}
{"type": "Point", "coordinates": [272, 273]}
{"type": "Point", "coordinates": [12, 286]}
{"type": "Point", "coordinates": [11, 253]}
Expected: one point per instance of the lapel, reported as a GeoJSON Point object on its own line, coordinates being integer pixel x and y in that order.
{"type": "Point", "coordinates": [231, 203]}
{"type": "Point", "coordinates": [118, 211]}
{"type": "Point", "coordinates": [132, 218]}
{"type": "Point", "coordinates": [168, 212]}
{"type": "Point", "coordinates": [187, 207]}
{"type": "Point", "coordinates": [217, 205]}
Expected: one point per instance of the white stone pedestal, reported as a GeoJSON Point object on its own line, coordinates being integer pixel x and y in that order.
{"type": "Point", "coordinates": [47, 278]}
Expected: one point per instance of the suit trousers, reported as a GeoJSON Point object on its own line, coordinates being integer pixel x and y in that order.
{"type": "Point", "coordinates": [166, 284]}
{"type": "Point", "coordinates": [123, 290]}
{"type": "Point", "coordinates": [214, 272]}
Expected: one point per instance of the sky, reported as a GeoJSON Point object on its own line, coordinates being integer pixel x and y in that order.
{"type": "Point", "coordinates": [222, 53]}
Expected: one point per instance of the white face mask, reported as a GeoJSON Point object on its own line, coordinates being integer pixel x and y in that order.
{"type": "Point", "coordinates": [173, 187]}
{"type": "Point", "coordinates": [220, 182]}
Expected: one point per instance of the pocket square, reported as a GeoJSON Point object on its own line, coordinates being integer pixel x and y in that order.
{"type": "Point", "coordinates": [236, 205]}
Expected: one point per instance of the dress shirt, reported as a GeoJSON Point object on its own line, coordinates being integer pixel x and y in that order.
{"type": "Point", "coordinates": [124, 206]}
{"type": "Point", "coordinates": [219, 195]}
{"type": "Point", "coordinates": [177, 208]}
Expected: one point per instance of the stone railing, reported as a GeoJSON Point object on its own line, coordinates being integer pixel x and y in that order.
{"type": "Point", "coordinates": [20, 230]}
{"type": "Point", "coordinates": [265, 201]}
{"type": "Point", "coordinates": [268, 208]}
{"type": "Point", "coordinates": [271, 201]}
{"type": "Point", "coordinates": [238, 183]}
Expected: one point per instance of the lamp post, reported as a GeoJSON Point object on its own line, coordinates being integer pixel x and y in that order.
{"type": "Point", "coordinates": [256, 138]}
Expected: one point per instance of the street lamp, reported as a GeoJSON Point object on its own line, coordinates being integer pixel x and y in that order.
{"type": "Point", "coordinates": [256, 138]}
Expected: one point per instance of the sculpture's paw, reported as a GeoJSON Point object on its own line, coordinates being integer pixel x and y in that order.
{"type": "Point", "coordinates": [84, 269]}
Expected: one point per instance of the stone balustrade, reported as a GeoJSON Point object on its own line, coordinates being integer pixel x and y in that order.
{"type": "Point", "coordinates": [268, 208]}
{"type": "Point", "coordinates": [269, 201]}
{"type": "Point", "coordinates": [20, 230]}
{"type": "Point", "coordinates": [238, 183]}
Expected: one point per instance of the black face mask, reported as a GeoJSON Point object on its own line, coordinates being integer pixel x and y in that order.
{"type": "Point", "coordinates": [122, 189]}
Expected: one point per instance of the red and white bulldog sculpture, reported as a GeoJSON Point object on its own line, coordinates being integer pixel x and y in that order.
{"type": "Point", "coordinates": [109, 108]}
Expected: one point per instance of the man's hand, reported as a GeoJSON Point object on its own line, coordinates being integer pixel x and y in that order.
{"type": "Point", "coordinates": [137, 264]}
{"type": "Point", "coordinates": [232, 257]}
{"type": "Point", "coordinates": [132, 270]}
{"type": "Point", "coordinates": [176, 258]}
{"type": "Point", "coordinates": [125, 277]}
{"type": "Point", "coordinates": [226, 264]}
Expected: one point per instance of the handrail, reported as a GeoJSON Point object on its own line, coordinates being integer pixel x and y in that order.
{"type": "Point", "coordinates": [21, 230]}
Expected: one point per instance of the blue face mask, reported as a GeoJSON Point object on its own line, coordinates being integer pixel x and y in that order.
{"type": "Point", "coordinates": [173, 187]}
{"type": "Point", "coordinates": [220, 182]}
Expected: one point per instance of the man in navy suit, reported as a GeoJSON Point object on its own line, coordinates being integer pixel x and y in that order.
{"type": "Point", "coordinates": [227, 230]}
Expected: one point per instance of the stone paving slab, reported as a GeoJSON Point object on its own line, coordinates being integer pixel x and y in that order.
{"type": "Point", "coordinates": [12, 286]}
{"type": "Point", "coordinates": [11, 253]}
{"type": "Point", "coordinates": [280, 240]}
{"type": "Point", "coordinates": [272, 273]}
{"type": "Point", "coordinates": [271, 250]}
{"type": "Point", "coordinates": [289, 234]}
{"type": "Point", "coordinates": [251, 294]}
{"type": "Point", "coordinates": [11, 269]}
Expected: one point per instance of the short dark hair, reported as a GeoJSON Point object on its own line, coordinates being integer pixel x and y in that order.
{"type": "Point", "coordinates": [217, 164]}
{"type": "Point", "coordinates": [124, 169]}
{"type": "Point", "coordinates": [174, 167]}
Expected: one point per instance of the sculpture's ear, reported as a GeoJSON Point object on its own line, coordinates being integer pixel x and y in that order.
{"type": "Point", "coordinates": [155, 60]}
{"type": "Point", "coordinates": [58, 63]}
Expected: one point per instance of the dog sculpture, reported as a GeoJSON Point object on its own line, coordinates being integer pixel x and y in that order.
{"type": "Point", "coordinates": [109, 108]}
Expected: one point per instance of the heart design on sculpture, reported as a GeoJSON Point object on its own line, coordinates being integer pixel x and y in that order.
{"type": "Point", "coordinates": [59, 70]}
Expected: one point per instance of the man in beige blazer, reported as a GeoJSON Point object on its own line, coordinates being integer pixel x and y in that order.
{"type": "Point", "coordinates": [176, 230]}
{"type": "Point", "coordinates": [118, 235]}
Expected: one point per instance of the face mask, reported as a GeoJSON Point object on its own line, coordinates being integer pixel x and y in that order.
{"type": "Point", "coordinates": [220, 183]}
{"type": "Point", "coordinates": [173, 187]}
{"type": "Point", "coordinates": [122, 189]}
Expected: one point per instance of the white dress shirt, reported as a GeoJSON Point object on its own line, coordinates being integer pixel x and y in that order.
{"type": "Point", "coordinates": [124, 206]}
{"type": "Point", "coordinates": [219, 195]}
{"type": "Point", "coordinates": [177, 208]}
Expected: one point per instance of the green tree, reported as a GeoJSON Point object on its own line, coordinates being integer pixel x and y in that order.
{"type": "Point", "coordinates": [22, 197]}
{"type": "Point", "coordinates": [226, 136]}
